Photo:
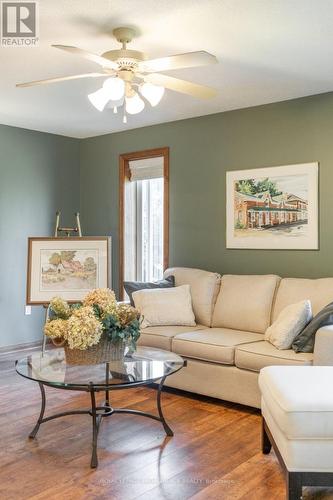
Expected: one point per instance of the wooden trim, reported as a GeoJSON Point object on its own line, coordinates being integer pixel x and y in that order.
{"type": "Point", "coordinates": [57, 239]}
{"type": "Point", "coordinates": [124, 173]}
{"type": "Point", "coordinates": [166, 210]}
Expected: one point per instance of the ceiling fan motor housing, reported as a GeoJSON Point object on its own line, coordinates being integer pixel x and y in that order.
{"type": "Point", "coordinates": [124, 56]}
{"type": "Point", "coordinates": [127, 61]}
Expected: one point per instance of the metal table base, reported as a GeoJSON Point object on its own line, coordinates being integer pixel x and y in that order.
{"type": "Point", "coordinates": [98, 412]}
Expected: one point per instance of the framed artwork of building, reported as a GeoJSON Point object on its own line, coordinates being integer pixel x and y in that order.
{"type": "Point", "coordinates": [273, 208]}
{"type": "Point", "coordinates": [67, 267]}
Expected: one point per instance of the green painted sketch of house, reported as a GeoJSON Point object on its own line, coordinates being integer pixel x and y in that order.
{"type": "Point", "coordinates": [264, 210]}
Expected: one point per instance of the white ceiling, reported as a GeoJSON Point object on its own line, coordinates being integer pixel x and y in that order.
{"type": "Point", "coordinates": [268, 51]}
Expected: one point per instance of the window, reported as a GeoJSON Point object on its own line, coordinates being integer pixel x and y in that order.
{"type": "Point", "coordinates": [143, 216]}
{"type": "Point", "coordinates": [149, 231]}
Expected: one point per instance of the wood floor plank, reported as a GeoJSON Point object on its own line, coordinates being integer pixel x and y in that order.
{"type": "Point", "coordinates": [214, 454]}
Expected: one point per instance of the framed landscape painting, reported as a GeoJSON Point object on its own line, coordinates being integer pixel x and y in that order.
{"type": "Point", "coordinates": [273, 208]}
{"type": "Point", "coordinates": [67, 267]}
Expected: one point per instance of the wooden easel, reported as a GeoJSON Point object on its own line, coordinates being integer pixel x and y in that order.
{"type": "Point", "coordinates": [67, 230]}
{"type": "Point", "coordinates": [57, 233]}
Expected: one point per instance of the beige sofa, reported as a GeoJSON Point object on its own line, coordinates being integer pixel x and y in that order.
{"type": "Point", "coordinates": [226, 349]}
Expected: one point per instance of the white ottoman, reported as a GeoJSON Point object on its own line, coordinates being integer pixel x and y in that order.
{"type": "Point", "coordinates": [297, 411]}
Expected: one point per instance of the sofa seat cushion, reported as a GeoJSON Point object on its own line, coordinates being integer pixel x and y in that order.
{"type": "Point", "coordinates": [300, 399]}
{"type": "Point", "coordinates": [256, 356]}
{"type": "Point", "coordinates": [161, 336]}
{"type": "Point", "coordinates": [245, 302]}
{"type": "Point", "coordinates": [212, 344]}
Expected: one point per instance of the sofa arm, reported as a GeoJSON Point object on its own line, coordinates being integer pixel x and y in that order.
{"type": "Point", "coordinates": [323, 348]}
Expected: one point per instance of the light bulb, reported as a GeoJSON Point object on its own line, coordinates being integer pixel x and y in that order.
{"type": "Point", "coordinates": [134, 104]}
{"type": "Point", "coordinates": [115, 88]}
{"type": "Point", "coordinates": [115, 110]}
{"type": "Point", "coordinates": [153, 93]}
{"type": "Point", "coordinates": [99, 99]}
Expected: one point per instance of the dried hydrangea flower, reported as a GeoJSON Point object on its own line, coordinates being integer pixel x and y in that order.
{"type": "Point", "coordinates": [60, 307]}
{"type": "Point", "coordinates": [84, 329]}
{"type": "Point", "coordinates": [104, 298]}
{"type": "Point", "coordinates": [125, 314]}
{"type": "Point", "coordinates": [56, 328]}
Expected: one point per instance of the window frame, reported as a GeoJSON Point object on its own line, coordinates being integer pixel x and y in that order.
{"type": "Point", "coordinates": [124, 176]}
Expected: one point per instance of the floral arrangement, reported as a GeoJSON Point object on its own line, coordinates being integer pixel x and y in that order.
{"type": "Point", "coordinates": [82, 325]}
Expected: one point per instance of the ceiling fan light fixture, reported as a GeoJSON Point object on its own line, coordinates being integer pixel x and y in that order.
{"type": "Point", "coordinates": [134, 104]}
{"type": "Point", "coordinates": [130, 78]}
{"type": "Point", "coordinates": [99, 99]}
{"type": "Point", "coordinates": [115, 88]}
{"type": "Point", "coordinates": [153, 93]}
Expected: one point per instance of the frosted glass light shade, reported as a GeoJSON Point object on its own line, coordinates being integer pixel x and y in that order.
{"type": "Point", "coordinates": [134, 104]}
{"type": "Point", "coordinates": [153, 93]}
{"type": "Point", "coordinates": [99, 99]}
{"type": "Point", "coordinates": [115, 88]}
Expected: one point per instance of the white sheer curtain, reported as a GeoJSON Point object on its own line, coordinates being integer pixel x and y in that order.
{"type": "Point", "coordinates": [144, 220]}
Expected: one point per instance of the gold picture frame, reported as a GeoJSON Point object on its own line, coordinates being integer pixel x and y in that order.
{"type": "Point", "coordinates": [67, 267]}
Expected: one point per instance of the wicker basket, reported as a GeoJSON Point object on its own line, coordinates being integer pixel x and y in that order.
{"type": "Point", "coordinates": [102, 352]}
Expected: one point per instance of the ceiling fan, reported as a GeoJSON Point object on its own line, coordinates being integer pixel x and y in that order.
{"type": "Point", "coordinates": [129, 74]}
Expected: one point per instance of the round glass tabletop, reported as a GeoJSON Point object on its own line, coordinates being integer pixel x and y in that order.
{"type": "Point", "coordinates": [145, 365]}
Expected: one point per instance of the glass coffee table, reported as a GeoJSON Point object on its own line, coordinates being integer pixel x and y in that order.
{"type": "Point", "coordinates": [145, 366]}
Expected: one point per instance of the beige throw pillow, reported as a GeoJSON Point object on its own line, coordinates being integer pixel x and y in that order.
{"type": "Point", "coordinates": [165, 306]}
{"type": "Point", "coordinates": [289, 323]}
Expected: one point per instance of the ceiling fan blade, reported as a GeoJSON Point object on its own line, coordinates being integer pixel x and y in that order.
{"type": "Point", "coordinates": [106, 63]}
{"type": "Point", "coordinates": [60, 79]}
{"type": "Point", "coordinates": [182, 86]}
{"type": "Point", "coordinates": [188, 60]}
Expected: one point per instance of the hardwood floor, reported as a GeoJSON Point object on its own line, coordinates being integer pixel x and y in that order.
{"type": "Point", "coordinates": [214, 454]}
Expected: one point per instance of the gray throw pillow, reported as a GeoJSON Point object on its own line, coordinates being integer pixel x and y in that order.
{"type": "Point", "coordinates": [304, 342]}
{"type": "Point", "coordinates": [134, 286]}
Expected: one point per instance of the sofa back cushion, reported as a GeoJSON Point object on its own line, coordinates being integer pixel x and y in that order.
{"type": "Point", "coordinates": [292, 290]}
{"type": "Point", "coordinates": [204, 289]}
{"type": "Point", "coordinates": [245, 302]}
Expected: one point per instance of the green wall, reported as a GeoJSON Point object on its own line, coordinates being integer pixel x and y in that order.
{"type": "Point", "coordinates": [39, 173]}
{"type": "Point", "coordinates": [201, 151]}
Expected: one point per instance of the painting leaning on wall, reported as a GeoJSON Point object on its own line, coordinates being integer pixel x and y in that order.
{"type": "Point", "coordinates": [273, 207]}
